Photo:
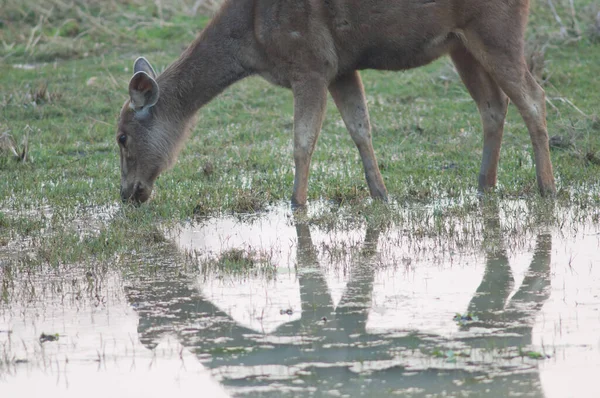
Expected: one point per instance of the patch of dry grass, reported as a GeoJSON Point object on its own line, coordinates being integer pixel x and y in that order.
{"type": "Point", "coordinates": [10, 148]}
{"type": "Point", "coordinates": [566, 21]}
{"type": "Point", "coordinates": [54, 29]}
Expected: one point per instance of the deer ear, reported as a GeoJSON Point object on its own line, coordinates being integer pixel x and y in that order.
{"type": "Point", "coordinates": [142, 65]}
{"type": "Point", "coordinates": [143, 91]}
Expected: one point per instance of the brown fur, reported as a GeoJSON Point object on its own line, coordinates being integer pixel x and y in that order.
{"type": "Point", "coordinates": [315, 46]}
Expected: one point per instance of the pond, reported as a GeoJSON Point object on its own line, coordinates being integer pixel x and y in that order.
{"type": "Point", "coordinates": [275, 305]}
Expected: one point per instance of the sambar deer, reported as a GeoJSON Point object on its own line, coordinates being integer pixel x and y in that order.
{"type": "Point", "coordinates": [315, 46]}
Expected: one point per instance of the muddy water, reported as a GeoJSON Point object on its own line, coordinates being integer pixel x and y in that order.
{"type": "Point", "coordinates": [488, 310]}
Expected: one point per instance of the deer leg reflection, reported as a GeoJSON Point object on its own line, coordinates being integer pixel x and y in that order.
{"type": "Point", "coordinates": [353, 310]}
{"type": "Point", "coordinates": [314, 293]}
{"type": "Point", "coordinates": [490, 302]}
{"type": "Point", "coordinates": [535, 289]}
{"type": "Point", "coordinates": [316, 299]}
{"type": "Point", "coordinates": [497, 282]}
{"type": "Point", "coordinates": [330, 331]}
{"type": "Point", "coordinates": [317, 304]}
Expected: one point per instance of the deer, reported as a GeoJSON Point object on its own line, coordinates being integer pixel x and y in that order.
{"type": "Point", "coordinates": [318, 46]}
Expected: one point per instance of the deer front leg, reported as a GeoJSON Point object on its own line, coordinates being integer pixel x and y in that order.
{"type": "Point", "coordinates": [310, 98]}
{"type": "Point", "coordinates": [349, 96]}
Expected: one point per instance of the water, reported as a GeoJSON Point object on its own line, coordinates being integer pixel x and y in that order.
{"type": "Point", "coordinates": [489, 310]}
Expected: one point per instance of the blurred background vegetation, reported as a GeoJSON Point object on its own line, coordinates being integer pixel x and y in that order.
{"type": "Point", "coordinates": [50, 29]}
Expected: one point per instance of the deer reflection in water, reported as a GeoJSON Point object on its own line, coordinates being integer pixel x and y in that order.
{"type": "Point", "coordinates": [329, 347]}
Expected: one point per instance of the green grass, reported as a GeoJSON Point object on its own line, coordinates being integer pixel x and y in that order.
{"type": "Point", "coordinates": [64, 69]}
{"type": "Point", "coordinates": [242, 263]}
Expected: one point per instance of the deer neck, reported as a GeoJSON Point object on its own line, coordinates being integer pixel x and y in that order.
{"type": "Point", "coordinates": [206, 68]}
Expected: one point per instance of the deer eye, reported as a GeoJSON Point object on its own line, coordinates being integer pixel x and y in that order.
{"type": "Point", "coordinates": [122, 139]}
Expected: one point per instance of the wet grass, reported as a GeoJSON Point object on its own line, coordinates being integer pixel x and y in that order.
{"type": "Point", "coordinates": [64, 69]}
{"type": "Point", "coordinates": [239, 263]}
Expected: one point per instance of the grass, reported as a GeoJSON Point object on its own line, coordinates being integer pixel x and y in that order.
{"type": "Point", "coordinates": [64, 69]}
{"type": "Point", "coordinates": [240, 262]}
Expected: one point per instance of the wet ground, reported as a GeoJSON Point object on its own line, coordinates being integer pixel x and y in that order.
{"type": "Point", "coordinates": [280, 307]}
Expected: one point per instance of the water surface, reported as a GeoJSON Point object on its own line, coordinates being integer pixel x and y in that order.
{"type": "Point", "coordinates": [309, 311]}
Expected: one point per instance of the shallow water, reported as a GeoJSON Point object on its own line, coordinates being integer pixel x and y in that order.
{"type": "Point", "coordinates": [342, 312]}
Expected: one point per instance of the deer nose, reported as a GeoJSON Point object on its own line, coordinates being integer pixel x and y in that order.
{"type": "Point", "coordinates": [129, 193]}
{"type": "Point", "coordinates": [136, 194]}
{"type": "Point", "coordinates": [127, 197]}
{"type": "Point", "coordinates": [141, 194]}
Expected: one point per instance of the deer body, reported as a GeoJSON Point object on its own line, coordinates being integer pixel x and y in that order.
{"type": "Point", "coordinates": [316, 46]}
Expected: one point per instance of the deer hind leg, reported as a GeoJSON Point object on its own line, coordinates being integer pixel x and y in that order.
{"type": "Point", "coordinates": [501, 53]}
{"type": "Point", "coordinates": [492, 104]}
{"type": "Point", "coordinates": [310, 99]}
{"type": "Point", "coordinates": [349, 96]}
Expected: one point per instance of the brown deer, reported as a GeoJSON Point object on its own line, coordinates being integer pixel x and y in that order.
{"type": "Point", "coordinates": [312, 46]}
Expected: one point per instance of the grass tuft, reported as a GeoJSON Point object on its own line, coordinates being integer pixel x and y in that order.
{"type": "Point", "coordinates": [249, 201]}
{"type": "Point", "coordinates": [241, 263]}
{"type": "Point", "coordinates": [9, 147]}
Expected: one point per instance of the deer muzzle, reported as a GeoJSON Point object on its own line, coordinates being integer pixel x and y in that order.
{"type": "Point", "coordinates": [135, 193]}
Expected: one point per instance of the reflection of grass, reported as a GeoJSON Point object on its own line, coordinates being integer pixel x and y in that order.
{"type": "Point", "coordinates": [532, 354]}
{"type": "Point", "coordinates": [535, 355]}
{"type": "Point", "coordinates": [481, 356]}
{"type": "Point", "coordinates": [448, 354]}
{"type": "Point", "coordinates": [464, 319]}
{"type": "Point", "coordinates": [228, 350]}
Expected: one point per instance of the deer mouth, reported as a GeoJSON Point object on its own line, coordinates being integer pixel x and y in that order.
{"type": "Point", "coordinates": [137, 194]}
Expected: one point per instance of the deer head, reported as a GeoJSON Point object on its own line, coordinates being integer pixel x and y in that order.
{"type": "Point", "coordinates": [148, 134]}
